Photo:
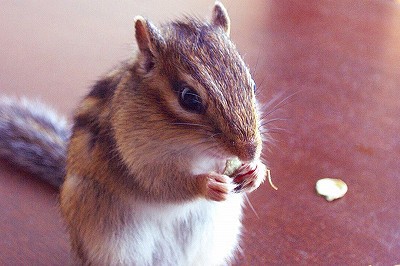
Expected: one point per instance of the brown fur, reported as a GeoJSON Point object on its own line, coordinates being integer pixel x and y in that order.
{"type": "Point", "coordinates": [131, 137]}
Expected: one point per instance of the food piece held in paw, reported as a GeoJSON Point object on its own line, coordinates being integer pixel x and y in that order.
{"type": "Point", "coordinates": [238, 171]}
{"type": "Point", "coordinates": [231, 166]}
{"type": "Point", "coordinates": [331, 188]}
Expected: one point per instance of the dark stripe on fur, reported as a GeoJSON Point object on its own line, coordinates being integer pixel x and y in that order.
{"type": "Point", "coordinates": [103, 89]}
{"type": "Point", "coordinates": [89, 123]}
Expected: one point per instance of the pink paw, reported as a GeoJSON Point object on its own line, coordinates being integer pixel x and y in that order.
{"type": "Point", "coordinates": [249, 177]}
{"type": "Point", "coordinates": [218, 187]}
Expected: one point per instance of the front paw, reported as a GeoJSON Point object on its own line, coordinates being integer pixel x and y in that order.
{"type": "Point", "coordinates": [218, 186]}
{"type": "Point", "coordinates": [249, 177]}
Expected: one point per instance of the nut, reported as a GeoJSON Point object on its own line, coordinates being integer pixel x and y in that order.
{"type": "Point", "coordinates": [331, 188]}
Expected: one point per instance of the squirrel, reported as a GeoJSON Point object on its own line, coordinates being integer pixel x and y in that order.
{"type": "Point", "coordinates": [141, 170]}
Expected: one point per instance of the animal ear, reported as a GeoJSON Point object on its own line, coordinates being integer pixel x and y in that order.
{"type": "Point", "coordinates": [220, 17]}
{"type": "Point", "coordinates": [148, 38]}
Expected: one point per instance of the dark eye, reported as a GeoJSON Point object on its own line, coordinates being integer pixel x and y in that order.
{"type": "Point", "coordinates": [190, 100]}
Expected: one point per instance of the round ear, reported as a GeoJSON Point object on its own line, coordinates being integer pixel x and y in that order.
{"type": "Point", "coordinates": [220, 17]}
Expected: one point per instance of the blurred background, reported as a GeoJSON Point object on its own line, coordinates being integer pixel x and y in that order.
{"type": "Point", "coordinates": [331, 68]}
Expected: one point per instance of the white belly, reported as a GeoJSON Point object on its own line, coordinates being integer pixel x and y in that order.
{"type": "Point", "coordinates": [196, 233]}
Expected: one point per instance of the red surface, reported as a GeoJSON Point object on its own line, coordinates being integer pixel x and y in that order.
{"type": "Point", "coordinates": [338, 60]}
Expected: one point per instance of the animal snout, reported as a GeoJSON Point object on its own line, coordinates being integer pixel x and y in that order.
{"type": "Point", "coordinates": [249, 151]}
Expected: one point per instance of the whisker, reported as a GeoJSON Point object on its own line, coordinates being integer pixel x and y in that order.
{"type": "Point", "coordinates": [264, 123]}
{"type": "Point", "coordinates": [260, 87]}
{"type": "Point", "coordinates": [275, 130]}
{"type": "Point", "coordinates": [264, 160]}
{"type": "Point", "coordinates": [207, 141]}
{"type": "Point", "coordinates": [251, 205]}
{"type": "Point", "coordinates": [278, 105]}
{"type": "Point", "coordinates": [213, 135]}
{"type": "Point", "coordinates": [206, 144]}
{"type": "Point", "coordinates": [210, 148]}
{"type": "Point", "coordinates": [253, 70]}
{"type": "Point", "coordinates": [271, 141]}
{"type": "Point", "coordinates": [256, 66]}
{"type": "Point", "coordinates": [189, 124]}
{"type": "Point", "coordinates": [255, 73]}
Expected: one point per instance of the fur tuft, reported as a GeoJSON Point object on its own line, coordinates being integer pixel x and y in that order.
{"type": "Point", "coordinates": [34, 138]}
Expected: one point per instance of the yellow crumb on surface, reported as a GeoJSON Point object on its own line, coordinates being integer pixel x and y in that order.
{"type": "Point", "coordinates": [331, 188]}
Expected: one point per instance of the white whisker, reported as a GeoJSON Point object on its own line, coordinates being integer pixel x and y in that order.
{"type": "Point", "coordinates": [251, 205]}
{"type": "Point", "coordinates": [277, 106]}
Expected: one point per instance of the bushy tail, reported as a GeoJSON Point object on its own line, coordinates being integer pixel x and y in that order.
{"type": "Point", "coordinates": [34, 138]}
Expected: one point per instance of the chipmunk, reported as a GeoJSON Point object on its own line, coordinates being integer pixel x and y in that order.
{"type": "Point", "coordinates": [144, 160]}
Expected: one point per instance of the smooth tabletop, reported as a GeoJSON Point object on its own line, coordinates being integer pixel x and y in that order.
{"type": "Point", "coordinates": [328, 75]}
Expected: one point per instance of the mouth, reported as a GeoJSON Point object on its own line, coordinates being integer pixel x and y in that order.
{"type": "Point", "coordinates": [210, 162]}
{"type": "Point", "coordinates": [219, 160]}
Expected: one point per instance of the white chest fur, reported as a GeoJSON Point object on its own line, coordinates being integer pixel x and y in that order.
{"type": "Point", "coordinates": [195, 233]}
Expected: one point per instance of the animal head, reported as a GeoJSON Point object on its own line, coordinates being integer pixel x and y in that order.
{"type": "Point", "coordinates": [188, 93]}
